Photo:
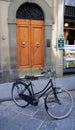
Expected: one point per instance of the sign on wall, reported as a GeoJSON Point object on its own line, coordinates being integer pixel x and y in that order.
{"type": "Point", "coordinates": [60, 42]}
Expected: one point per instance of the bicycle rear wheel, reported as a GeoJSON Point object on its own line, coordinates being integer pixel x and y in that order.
{"type": "Point", "coordinates": [61, 109]}
{"type": "Point", "coordinates": [18, 88]}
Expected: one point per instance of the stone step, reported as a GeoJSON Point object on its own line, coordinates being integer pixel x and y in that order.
{"type": "Point", "coordinates": [29, 71]}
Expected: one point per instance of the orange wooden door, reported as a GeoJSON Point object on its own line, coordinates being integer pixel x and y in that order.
{"type": "Point", "coordinates": [30, 43]}
{"type": "Point", "coordinates": [23, 43]}
{"type": "Point", "coordinates": [37, 43]}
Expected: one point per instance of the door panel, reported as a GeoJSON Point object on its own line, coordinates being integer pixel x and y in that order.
{"type": "Point", "coordinates": [37, 41]}
{"type": "Point", "coordinates": [30, 43]}
{"type": "Point", "coordinates": [23, 44]}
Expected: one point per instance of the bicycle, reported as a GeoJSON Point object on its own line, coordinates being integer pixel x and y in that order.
{"type": "Point", "coordinates": [58, 102]}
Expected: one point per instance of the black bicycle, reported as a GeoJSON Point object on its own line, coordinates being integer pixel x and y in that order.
{"type": "Point", "coordinates": [58, 102]}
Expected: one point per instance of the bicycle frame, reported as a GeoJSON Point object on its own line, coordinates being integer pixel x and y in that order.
{"type": "Point", "coordinates": [43, 91]}
{"type": "Point", "coordinates": [34, 97]}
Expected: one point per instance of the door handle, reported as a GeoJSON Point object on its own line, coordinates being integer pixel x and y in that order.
{"type": "Point", "coordinates": [23, 44]}
{"type": "Point", "coordinates": [37, 44]}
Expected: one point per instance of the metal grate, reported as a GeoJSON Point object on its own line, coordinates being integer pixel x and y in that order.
{"type": "Point", "coordinates": [30, 11]}
{"type": "Point", "coordinates": [69, 11]}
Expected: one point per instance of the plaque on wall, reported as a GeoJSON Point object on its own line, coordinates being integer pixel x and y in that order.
{"type": "Point", "coordinates": [60, 42]}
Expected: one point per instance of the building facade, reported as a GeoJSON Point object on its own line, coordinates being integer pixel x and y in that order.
{"type": "Point", "coordinates": [69, 33]}
{"type": "Point", "coordinates": [28, 33]}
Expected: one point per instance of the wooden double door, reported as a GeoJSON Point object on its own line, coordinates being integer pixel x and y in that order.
{"type": "Point", "coordinates": [30, 43]}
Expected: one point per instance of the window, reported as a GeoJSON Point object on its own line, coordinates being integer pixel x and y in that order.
{"type": "Point", "coordinates": [70, 2]}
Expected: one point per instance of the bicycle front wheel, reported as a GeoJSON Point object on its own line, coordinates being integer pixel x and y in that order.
{"type": "Point", "coordinates": [61, 108]}
{"type": "Point", "coordinates": [18, 88]}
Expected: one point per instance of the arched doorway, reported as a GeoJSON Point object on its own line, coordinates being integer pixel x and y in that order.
{"type": "Point", "coordinates": [30, 36]}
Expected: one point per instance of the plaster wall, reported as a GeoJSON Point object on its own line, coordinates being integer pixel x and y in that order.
{"type": "Point", "coordinates": [4, 36]}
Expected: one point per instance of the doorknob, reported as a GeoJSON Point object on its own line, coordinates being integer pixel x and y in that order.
{"type": "Point", "coordinates": [23, 44]}
{"type": "Point", "coordinates": [37, 44]}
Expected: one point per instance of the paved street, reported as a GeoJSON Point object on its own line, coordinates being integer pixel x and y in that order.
{"type": "Point", "coordinates": [13, 117]}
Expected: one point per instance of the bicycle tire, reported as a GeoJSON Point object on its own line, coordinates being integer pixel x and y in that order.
{"type": "Point", "coordinates": [17, 88]}
{"type": "Point", "coordinates": [63, 108]}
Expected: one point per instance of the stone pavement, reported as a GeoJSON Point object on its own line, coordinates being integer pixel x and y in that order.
{"type": "Point", "coordinates": [13, 117]}
{"type": "Point", "coordinates": [67, 82]}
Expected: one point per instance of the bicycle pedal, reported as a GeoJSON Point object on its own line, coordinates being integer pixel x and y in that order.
{"type": "Point", "coordinates": [35, 103]}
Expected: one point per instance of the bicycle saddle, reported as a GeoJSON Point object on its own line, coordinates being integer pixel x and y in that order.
{"type": "Point", "coordinates": [30, 77]}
